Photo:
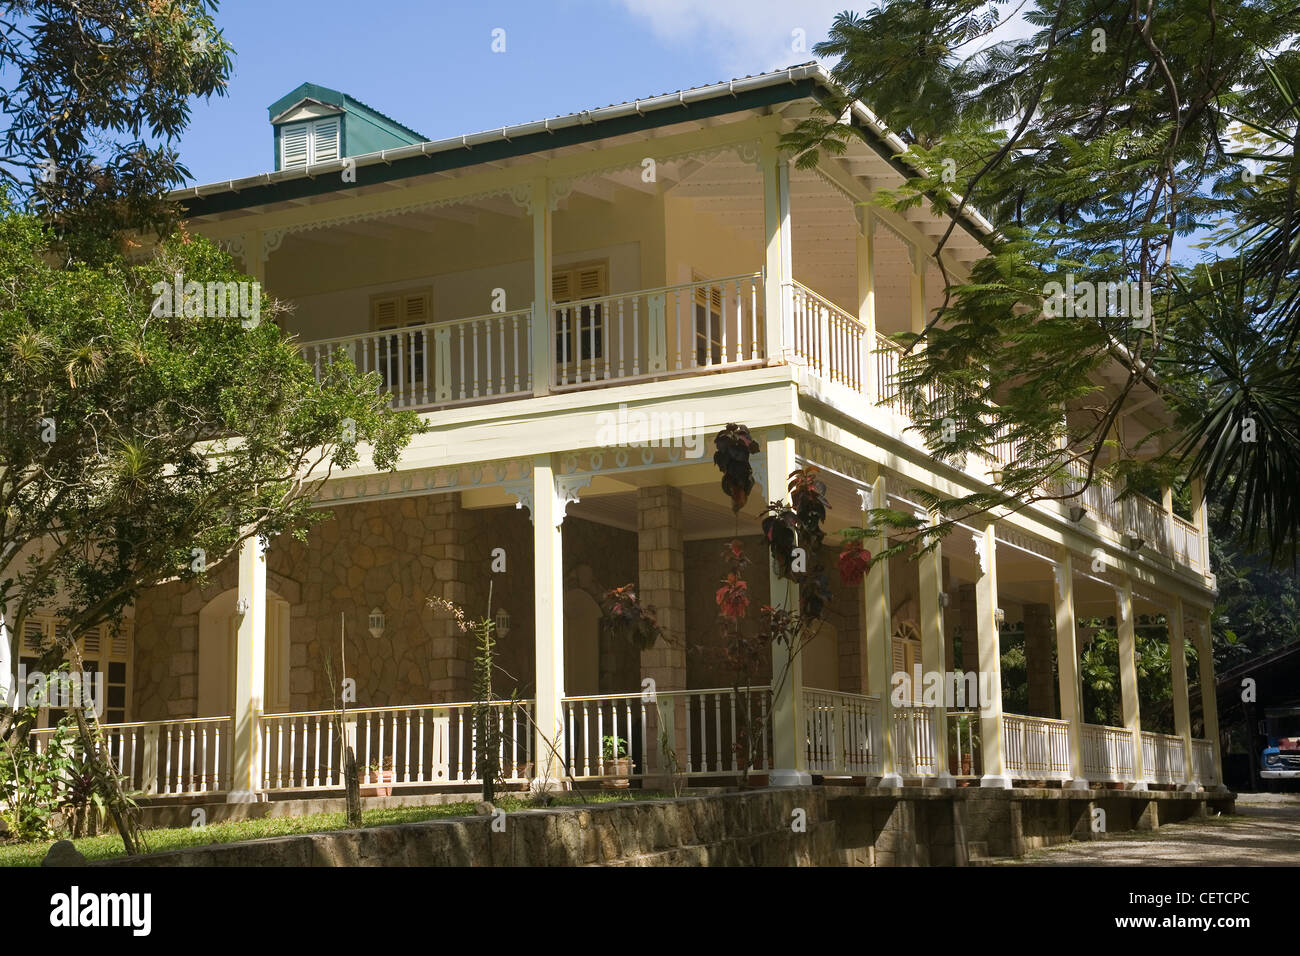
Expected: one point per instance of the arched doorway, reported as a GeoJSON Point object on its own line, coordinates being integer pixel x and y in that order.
{"type": "Point", "coordinates": [218, 644]}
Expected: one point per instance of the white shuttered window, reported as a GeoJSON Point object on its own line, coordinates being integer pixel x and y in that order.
{"type": "Point", "coordinates": [302, 144]}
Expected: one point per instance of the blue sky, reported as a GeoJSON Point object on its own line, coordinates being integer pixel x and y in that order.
{"type": "Point", "coordinates": [431, 66]}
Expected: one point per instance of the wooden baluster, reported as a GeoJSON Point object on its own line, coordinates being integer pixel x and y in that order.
{"type": "Point", "coordinates": [460, 337]}
{"type": "Point", "coordinates": [474, 352]}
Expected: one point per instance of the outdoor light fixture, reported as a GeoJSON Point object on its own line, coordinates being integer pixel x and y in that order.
{"type": "Point", "coordinates": [1133, 542]}
{"type": "Point", "coordinates": [1000, 616]}
{"type": "Point", "coordinates": [1077, 512]}
{"type": "Point", "coordinates": [376, 622]}
{"type": "Point", "coordinates": [503, 622]}
{"type": "Point", "coordinates": [944, 599]}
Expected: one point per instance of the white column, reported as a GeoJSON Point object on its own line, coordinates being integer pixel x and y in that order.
{"type": "Point", "coordinates": [548, 611]}
{"type": "Point", "coordinates": [543, 341]}
{"type": "Point", "coordinates": [933, 656]}
{"type": "Point", "coordinates": [866, 249]}
{"type": "Point", "coordinates": [1128, 679]}
{"type": "Point", "coordinates": [990, 647]}
{"type": "Point", "coordinates": [878, 618]}
{"type": "Point", "coordinates": [7, 678]}
{"type": "Point", "coordinates": [1178, 680]}
{"type": "Point", "coordinates": [1067, 665]}
{"type": "Point", "coordinates": [250, 673]}
{"type": "Point", "coordinates": [916, 299]}
{"type": "Point", "coordinates": [789, 723]}
{"type": "Point", "coordinates": [1209, 694]}
{"type": "Point", "coordinates": [776, 220]}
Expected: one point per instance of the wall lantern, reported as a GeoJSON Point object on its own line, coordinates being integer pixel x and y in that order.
{"type": "Point", "coordinates": [944, 599]}
{"type": "Point", "coordinates": [1000, 616]}
{"type": "Point", "coordinates": [1077, 512]}
{"type": "Point", "coordinates": [502, 622]}
{"type": "Point", "coordinates": [376, 622]}
{"type": "Point", "coordinates": [1134, 542]}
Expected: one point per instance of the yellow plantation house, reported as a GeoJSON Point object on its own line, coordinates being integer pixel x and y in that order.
{"type": "Point", "coordinates": [576, 306]}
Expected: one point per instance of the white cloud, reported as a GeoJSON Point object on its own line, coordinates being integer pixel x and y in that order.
{"type": "Point", "coordinates": [744, 36]}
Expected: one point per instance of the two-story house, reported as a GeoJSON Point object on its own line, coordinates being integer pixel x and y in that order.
{"type": "Point", "coordinates": [576, 306]}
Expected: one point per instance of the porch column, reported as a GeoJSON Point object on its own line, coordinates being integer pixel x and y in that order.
{"type": "Point", "coordinates": [789, 726]}
{"type": "Point", "coordinates": [1200, 516]}
{"type": "Point", "coordinates": [250, 673]}
{"type": "Point", "coordinates": [916, 299]}
{"type": "Point", "coordinates": [934, 657]}
{"type": "Point", "coordinates": [542, 343]}
{"type": "Point", "coordinates": [548, 611]}
{"type": "Point", "coordinates": [661, 582]}
{"type": "Point", "coordinates": [1209, 694]}
{"type": "Point", "coordinates": [1067, 665]}
{"type": "Point", "coordinates": [778, 268]}
{"type": "Point", "coordinates": [877, 616]}
{"type": "Point", "coordinates": [1178, 680]}
{"type": "Point", "coordinates": [990, 645]}
{"type": "Point", "coordinates": [1128, 679]}
{"type": "Point", "coordinates": [866, 249]}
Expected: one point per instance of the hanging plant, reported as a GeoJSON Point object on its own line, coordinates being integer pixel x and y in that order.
{"type": "Point", "coordinates": [733, 447]}
{"type": "Point", "coordinates": [733, 597]}
{"type": "Point", "coordinates": [781, 528]}
{"type": "Point", "coordinates": [855, 561]}
{"type": "Point", "coordinates": [808, 497]}
{"type": "Point", "coordinates": [624, 616]}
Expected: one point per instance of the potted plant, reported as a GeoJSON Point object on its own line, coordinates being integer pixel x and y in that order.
{"type": "Point", "coordinates": [624, 616]}
{"type": "Point", "coordinates": [733, 447]}
{"type": "Point", "coordinates": [616, 764]}
{"type": "Point", "coordinates": [963, 729]}
{"type": "Point", "coordinates": [380, 773]}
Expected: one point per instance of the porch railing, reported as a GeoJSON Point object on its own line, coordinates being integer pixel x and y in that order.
{"type": "Point", "coordinates": [167, 757]}
{"type": "Point", "coordinates": [1203, 763]}
{"type": "Point", "coordinates": [829, 340]}
{"type": "Point", "coordinates": [709, 732]}
{"type": "Point", "coordinates": [705, 325]}
{"type": "Point", "coordinates": [1187, 543]}
{"type": "Point", "coordinates": [421, 745]}
{"type": "Point", "coordinates": [1036, 748]}
{"type": "Point", "coordinates": [843, 733]}
{"type": "Point", "coordinates": [1163, 758]}
{"type": "Point", "coordinates": [1107, 753]}
{"type": "Point", "coordinates": [914, 754]}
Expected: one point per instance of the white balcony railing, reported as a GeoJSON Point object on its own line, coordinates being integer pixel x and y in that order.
{"type": "Point", "coordinates": [696, 326]}
{"type": "Point", "coordinates": [426, 744]}
{"type": "Point", "coordinates": [167, 757]}
{"type": "Point", "coordinates": [828, 340]}
{"type": "Point", "coordinates": [1107, 754]}
{"type": "Point", "coordinates": [914, 754]}
{"type": "Point", "coordinates": [1036, 748]}
{"type": "Point", "coordinates": [1203, 768]}
{"type": "Point", "coordinates": [1164, 759]}
{"type": "Point", "coordinates": [843, 733]}
{"type": "Point", "coordinates": [709, 732]}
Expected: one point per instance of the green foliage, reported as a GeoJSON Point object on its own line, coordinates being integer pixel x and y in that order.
{"type": "Point", "coordinates": [1091, 144]}
{"type": "Point", "coordinates": [31, 782]}
{"type": "Point", "coordinates": [143, 447]}
{"type": "Point", "coordinates": [96, 94]}
{"type": "Point", "coordinates": [613, 748]}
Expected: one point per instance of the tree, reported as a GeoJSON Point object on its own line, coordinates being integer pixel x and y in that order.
{"type": "Point", "coordinates": [1091, 144]}
{"type": "Point", "coordinates": [96, 93]}
{"type": "Point", "coordinates": [145, 439]}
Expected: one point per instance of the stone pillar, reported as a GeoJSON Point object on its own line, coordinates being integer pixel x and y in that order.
{"type": "Point", "coordinates": [548, 613]}
{"type": "Point", "coordinates": [789, 725]}
{"type": "Point", "coordinates": [933, 655]}
{"type": "Point", "coordinates": [250, 673]}
{"type": "Point", "coordinates": [1209, 694]}
{"type": "Point", "coordinates": [1067, 665]}
{"type": "Point", "coordinates": [1128, 679]}
{"type": "Point", "coordinates": [877, 616]}
{"type": "Point", "coordinates": [777, 261]}
{"type": "Point", "coordinates": [990, 669]}
{"type": "Point", "coordinates": [1038, 660]}
{"type": "Point", "coordinates": [542, 341]}
{"type": "Point", "coordinates": [661, 581]}
{"type": "Point", "coordinates": [1178, 688]}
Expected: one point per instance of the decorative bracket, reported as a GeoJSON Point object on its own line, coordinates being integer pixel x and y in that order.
{"type": "Point", "coordinates": [271, 239]}
{"type": "Point", "coordinates": [1061, 582]}
{"type": "Point", "coordinates": [522, 492]}
{"type": "Point", "coordinates": [566, 493]}
{"type": "Point", "coordinates": [981, 551]}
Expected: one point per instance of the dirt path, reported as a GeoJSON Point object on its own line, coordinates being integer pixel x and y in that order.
{"type": "Point", "coordinates": [1265, 831]}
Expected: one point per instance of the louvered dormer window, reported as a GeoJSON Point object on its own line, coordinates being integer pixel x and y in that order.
{"type": "Point", "coordinates": [304, 144]}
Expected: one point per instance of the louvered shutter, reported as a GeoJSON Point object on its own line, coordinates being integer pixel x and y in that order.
{"type": "Point", "coordinates": [590, 282]}
{"type": "Point", "coordinates": [293, 145]}
{"type": "Point", "coordinates": [416, 309]}
{"type": "Point", "coordinates": [899, 648]}
{"type": "Point", "coordinates": [385, 314]}
{"type": "Point", "coordinates": [325, 140]}
{"type": "Point", "coordinates": [34, 636]}
{"type": "Point", "coordinates": [561, 287]}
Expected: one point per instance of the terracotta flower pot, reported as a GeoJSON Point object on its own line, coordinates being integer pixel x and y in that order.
{"type": "Point", "coordinates": [619, 770]}
{"type": "Point", "coordinates": [379, 777]}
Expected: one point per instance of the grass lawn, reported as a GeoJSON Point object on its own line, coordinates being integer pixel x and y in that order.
{"type": "Point", "coordinates": [110, 845]}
